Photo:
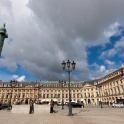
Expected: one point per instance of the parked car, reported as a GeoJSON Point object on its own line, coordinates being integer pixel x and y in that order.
{"type": "Point", "coordinates": [76, 105]}
{"type": "Point", "coordinates": [59, 103]}
{"type": "Point", "coordinates": [120, 105]}
{"type": "Point", "coordinates": [6, 106]}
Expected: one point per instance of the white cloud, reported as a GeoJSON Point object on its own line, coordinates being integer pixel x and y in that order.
{"type": "Point", "coordinates": [116, 50]}
{"type": "Point", "coordinates": [5, 62]}
{"type": "Point", "coordinates": [102, 68]}
{"type": "Point", "coordinates": [122, 54]}
{"type": "Point", "coordinates": [110, 71]}
{"type": "Point", "coordinates": [112, 30]}
{"type": "Point", "coordinates": [20, 79]}
{"type": "Point", "coordinates": [109, 53]}
{"type": "Point", "coordinates": [112, 52]}
{"type": "Point", "coordinates": [6, 77]}
{"type": "Point", "coordinates": [98, 71]}
{"type": "Point", "coordinates": [43, 33]}
{"type": "Point", "coordinates": [15, 77]}
{"type": "Point", "coordinates": [120, 44]}
{"type": "Point", "coordinates": [110, 62]}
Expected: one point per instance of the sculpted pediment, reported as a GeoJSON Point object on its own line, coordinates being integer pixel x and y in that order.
{"type": "Point", "coordinates": [29, 85]}
{"type": "Point", "coordinates": [87, 85]}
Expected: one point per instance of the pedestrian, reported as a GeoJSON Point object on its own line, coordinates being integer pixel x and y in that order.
{"type": "Point", "coordinates": [108, 103]}
{"type": "Point", "coordinates": [31, 107]}
{"type": "Point", "coordinates": [51, 106]}
{"type": "Point", "coordinates": [82, 104]}
{"type": "Point", "coordinates": [33, 103]}
{"type": "Point", "coordinates": [101, 104]}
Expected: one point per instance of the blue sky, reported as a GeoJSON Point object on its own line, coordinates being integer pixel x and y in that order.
{"type": "Point", "coordinates": [42, 34]}
{"type": "Point", "coordinates": [95, 52]}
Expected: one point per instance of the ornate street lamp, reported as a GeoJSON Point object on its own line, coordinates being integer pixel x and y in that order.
{"type": "Point", "coordinates": [62, 84]}
{"type": "Point", "coordinates": [64, 66]}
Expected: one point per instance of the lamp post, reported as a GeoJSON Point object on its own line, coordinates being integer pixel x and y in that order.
{"type": "Point", "coordinates": [64, 66]}
{"type": "Point", "coordinates": [62, 84]}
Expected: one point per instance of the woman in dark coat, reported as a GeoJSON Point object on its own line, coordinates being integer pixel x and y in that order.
{"type": "Point", "coordinates": [51, 106]}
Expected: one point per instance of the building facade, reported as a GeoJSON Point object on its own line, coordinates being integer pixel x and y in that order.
{"type": "Point", "coordinates": [111, 87]}
{"type": "Point", "coordinates": [45, 91]}
{"type": "Point", "coordinates": [106, 89]}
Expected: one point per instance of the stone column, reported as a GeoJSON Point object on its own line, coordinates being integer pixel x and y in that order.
{"type": "Point", "coordinates": [3, 35]}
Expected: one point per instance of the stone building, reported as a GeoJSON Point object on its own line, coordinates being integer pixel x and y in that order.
{"type": "Point", "coordinates": [111, 87]}
{"type": "Point", "coordinates": [107, 89]}
{"type": "Point", "coordinates": [45, 91]}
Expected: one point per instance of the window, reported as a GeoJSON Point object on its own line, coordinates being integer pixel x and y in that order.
{"type": "Point", "coordinates": [63, 95]}
{"type": "Point", "coordinates": [66, 95]}
{"type": "Point", "coordinates": [47, 95]}
{"type": "Point", "coordinates": [77, 95]}
{"type": "Point", "coordinates": [43, 95]}
{"type": "Point", "coordinates": [58, 95]}
{"type": "Point", "coordinates": [88, 95]}
{"type": "Point", "coordinates": [54, 95]}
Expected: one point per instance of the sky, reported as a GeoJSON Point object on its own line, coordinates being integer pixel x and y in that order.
{"type": "Point", "coordinates": [43, 33]}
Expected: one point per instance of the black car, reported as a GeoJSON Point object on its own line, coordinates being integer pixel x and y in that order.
{"type": "Point", "coordinates": [6, 106]}
{"type": "Point", "coordinates": [76, 105]}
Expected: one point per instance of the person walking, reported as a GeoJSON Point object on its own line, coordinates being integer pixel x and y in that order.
{"type": "Point", "coordinates": [31, 107]}
{"type": "Point", "coordinates": [33, 103]}
{"type": "Point", "coordinates": [51, 106]}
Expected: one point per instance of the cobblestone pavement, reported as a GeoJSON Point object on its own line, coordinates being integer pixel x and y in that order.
{"type": "Point", "coordinates": [87, 115]}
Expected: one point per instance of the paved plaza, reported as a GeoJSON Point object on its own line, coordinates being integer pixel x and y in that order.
{"type": "Point", "coordinates": [87, 115]}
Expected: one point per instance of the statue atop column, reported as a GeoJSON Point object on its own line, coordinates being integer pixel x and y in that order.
{"type": "Point", "coordinates": [3, 35]}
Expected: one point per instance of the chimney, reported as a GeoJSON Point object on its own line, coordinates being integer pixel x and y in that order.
{"type": "Point", "coordinates": [122, 66]}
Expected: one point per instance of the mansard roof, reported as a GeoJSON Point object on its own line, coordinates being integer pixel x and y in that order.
{"type": "Point", "coordinates": [116, 73]}
{"type": "Point", "coordinates": [48, 84]}
{"type": "Point", "coordinates": [90, 82]}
